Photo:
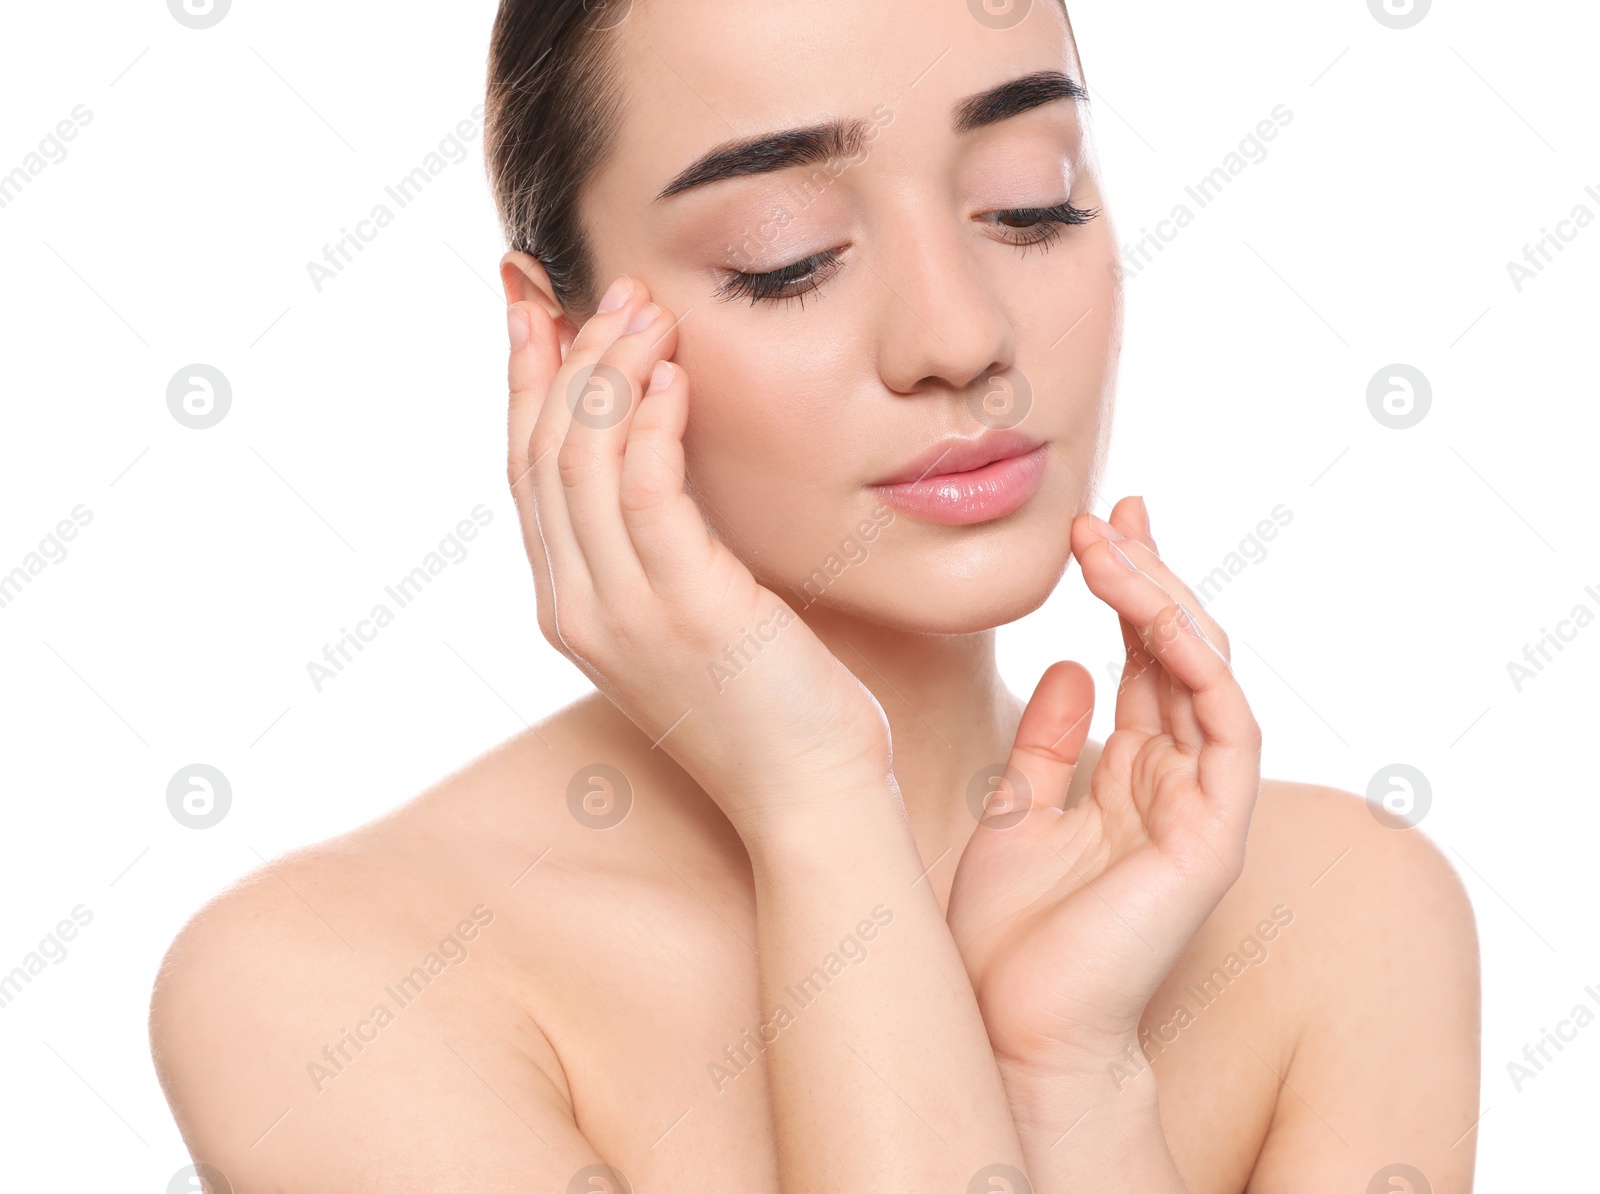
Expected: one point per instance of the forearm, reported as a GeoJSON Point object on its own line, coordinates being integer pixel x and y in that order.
{"type": "Point", "coordinates": [882, 1073]}
{"type": "Point", "coordinates": [1093, 1127]}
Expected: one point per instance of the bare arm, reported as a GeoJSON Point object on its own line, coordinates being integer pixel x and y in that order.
{"type": "Point", "coordinates": [283, 1075]}
{"type": "Point", "coordinates": [882, 1077]}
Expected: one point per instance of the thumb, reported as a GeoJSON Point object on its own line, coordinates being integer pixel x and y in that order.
{"type": "Point", "coordinates": [1049, 740]}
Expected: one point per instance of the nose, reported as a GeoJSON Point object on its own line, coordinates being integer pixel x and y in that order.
{"type": "Point", "coordinates": [942, 326]}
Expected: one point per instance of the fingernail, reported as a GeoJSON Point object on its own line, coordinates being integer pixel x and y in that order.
{"type": "Point", "coordinates": [1105, 528]}
{"type": "Point", "coordinates": [660, 377]}
{"type": "Point", "coordinates": [1144, 515]}
{"type": "Point", "coordinates": [1191, 625]}
{"type": "Point", "coordinates": [617, 295]}
{"type": "Point", "coordinates": [1122, 557]}
{"type": "Point", "coordinates": [517, 326]}
{"type": "Point", "coordinates": [642, 318]}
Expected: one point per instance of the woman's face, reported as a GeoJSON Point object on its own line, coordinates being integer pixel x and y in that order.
{"type": "Point", "coordinates": [929, 316]}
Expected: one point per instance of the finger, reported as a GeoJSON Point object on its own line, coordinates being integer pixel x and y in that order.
{"type": "Point", "coordinates": [1229, 763]}
{"type": "Point", "coordinates": [604, 403]}
{"type": "Point", "coordinates": [1111, 575]}
{"type": "Point", "coordinates": [1142, 685]}
{"type": "Point", "coordinates": [1131, 517]}
{"type": "Point", "coordinates": [663, 520]}
{"type": "Point", "coordinates": [1141, 691]}
{"type": "Point", "coordinates": [531, 366]}
{"type": "Point", "coordinates": [1134, 520]}
{"type": "Point", "coordinates": [569, 562]}
{"type": "Point", "coordinates": [1141, 551]}
{"type": "Point", "coordinates": [1048, 744]}
{"type": "Point", "coordinates": [534, 359]}
{"type": "Point", "coordinates": [1229, 738]}
{"type": "Point", "coordinates": [1226, 729]}
{"type": "Point", "coordinates": [1177, 701]}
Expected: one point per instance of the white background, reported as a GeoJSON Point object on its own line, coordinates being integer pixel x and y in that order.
{"type": "Point", "coordinates": [368, 419]}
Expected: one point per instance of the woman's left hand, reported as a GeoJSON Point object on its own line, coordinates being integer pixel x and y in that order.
{"type": "Point", "coordinates": [1068, 919]}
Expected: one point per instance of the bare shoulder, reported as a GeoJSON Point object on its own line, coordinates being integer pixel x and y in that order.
{"type": "Point", "coordinates": [354, 1008]}
{"type": "Point", "coordinates": [1369, 1019]}
{"type": "Point", "coordinates": [1323, 1024]}
{"type": "Point", "coordinates": [1368, 885]}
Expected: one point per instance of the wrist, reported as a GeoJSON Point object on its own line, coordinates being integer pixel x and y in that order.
{"type": "Point", "coordinates": [819, 827]}
{"type": "Point", "coordinates": [1114, 1074]}
{"type": "Point", "coordinates": [1104, 1098]}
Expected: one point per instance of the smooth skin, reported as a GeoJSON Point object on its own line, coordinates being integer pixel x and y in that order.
{"type": "Point", "coordinates": [1008, 992]}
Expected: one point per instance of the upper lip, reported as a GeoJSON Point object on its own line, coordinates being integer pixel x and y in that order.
{"type": "Point", "coordinates": [957, 455]}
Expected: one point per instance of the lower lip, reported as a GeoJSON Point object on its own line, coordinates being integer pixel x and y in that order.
{"type": "Point", "coordinates": [982, 494]}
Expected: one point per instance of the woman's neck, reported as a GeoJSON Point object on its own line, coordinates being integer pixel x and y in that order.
{"type": "Point", "coordinates": [950, 715]}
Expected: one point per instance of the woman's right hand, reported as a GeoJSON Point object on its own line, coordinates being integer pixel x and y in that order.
{"type": "Point", "coordinates": [634, 589]}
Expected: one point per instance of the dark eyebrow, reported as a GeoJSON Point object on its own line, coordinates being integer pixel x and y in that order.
{"type": "Point", "coordinates": [1019, 95]}
{"type": "Point", "coordinates": [775, 151]}
{"type": "Point", "coordinates": [843, 138]}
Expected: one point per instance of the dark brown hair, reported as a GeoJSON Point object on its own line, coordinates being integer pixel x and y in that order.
{"type": "Point", "coordinates": [549, 115]}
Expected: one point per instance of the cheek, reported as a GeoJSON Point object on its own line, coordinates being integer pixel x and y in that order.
{"type": "Point", "coordinates": [1073, 340]}
{"type": "Point", "coordinates": [769, 448]}
{"type": "Point", "coordinates": [765, 405]}
{"type": "Point", "coordinates": [1089, 282]}
{"type": "Point", "coordinates": [746, 419]}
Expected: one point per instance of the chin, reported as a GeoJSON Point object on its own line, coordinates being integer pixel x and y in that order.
{"type": "Point", "coordinates": [961, 587]}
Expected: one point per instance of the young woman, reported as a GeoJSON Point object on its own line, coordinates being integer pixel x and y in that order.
{"type": "Point", "coordinates": [814, 317]}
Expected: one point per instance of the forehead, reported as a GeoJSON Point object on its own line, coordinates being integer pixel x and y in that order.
{"type": "Point", "coordinates": [693, 74]}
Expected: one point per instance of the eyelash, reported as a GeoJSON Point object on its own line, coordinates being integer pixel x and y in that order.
{"type": "Point", "coordinates": [777, 285]}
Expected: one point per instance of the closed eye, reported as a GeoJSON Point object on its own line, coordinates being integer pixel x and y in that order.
{"type": "Point", "coordinates": [788, 282]}
{"type": "Point", "coordinates": [1042, 225]}
{"type": "Point", "coordinates": [1025, 228]}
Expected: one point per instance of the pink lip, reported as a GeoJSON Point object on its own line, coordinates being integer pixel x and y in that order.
{"type": "Point", "coordinates": [950, 456]}
{"type": "Point", "coordinates": [978, 481]}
